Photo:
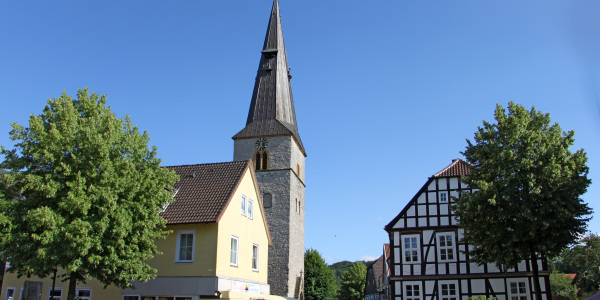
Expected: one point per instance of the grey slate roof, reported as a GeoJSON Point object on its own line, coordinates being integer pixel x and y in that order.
{"type": "Point", "coordinates": [272, 107]}
{"type": "Point", "coordinates": [203, 191]}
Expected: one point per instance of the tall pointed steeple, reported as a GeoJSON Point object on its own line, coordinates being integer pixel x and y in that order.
{"type": "Point", "coordinates": [272, 108]}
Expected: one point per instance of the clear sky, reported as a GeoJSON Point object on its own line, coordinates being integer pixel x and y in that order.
{"type": "Point", "coordinates": [386, 91]}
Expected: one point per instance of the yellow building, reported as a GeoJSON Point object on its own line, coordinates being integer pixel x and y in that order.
{"type": "Point", "coordinates": [218, 247]}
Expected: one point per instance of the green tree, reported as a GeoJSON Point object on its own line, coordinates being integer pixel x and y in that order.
{"type": "Point", "coordinates": [528, 186]}
{"type": "Point", "coordinates": [353, 282]}
{"type": "Point", "coordinates": [319, 281]}
{"type": "Point", "coordinates": [561, 285]}
{"type": "Point", "coordinates": [583, 260]}
{"type": "Point", "coordinates": [82, 194]}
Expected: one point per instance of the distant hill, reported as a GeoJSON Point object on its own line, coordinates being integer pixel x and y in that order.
{"type": "Point", "coordinates": [339, 268]}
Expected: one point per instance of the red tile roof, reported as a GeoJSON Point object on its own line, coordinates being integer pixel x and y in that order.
{"type": "Point", "coordinates": [458, 167]}
{"type": "Point", "coordinates": [203, 191]}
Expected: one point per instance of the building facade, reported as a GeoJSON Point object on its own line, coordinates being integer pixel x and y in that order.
{"type": "Point", "coordinates": [428, 261]}
{"type": "Point", "coordinates": [271, 139]}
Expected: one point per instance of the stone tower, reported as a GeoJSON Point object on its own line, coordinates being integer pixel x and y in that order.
{"type": "Point", "coordinates": [271, 139]}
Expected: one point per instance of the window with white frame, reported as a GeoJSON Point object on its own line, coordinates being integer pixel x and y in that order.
{"type": "Point", "coordinates": [255, 257]}
{"type": "Point", "coordinates": [412, 291]}
{"type": "Point", "coordinates": [56, 294]}
{"type": "Point", "coordinates": [446, 246]}
{"type": "Point", "coordinates": [129, 297]}
{"type": "Point", "coordinates": [517, 290]}
{"type": "Point", "coordinates": [233, 257]}
{"type": "Point", "coordinates": [448, 291]}
{"type": "Point", "coordinates": [10, 293]}
{"type": "Point", "coordinates": [443, 197]}
{"type": "Point", "coordinates": [84, 293]}
{"type": "Point", "coordinates": [411, 249]}
{"type": "Point", "coordinates": [243, 205]}
{"type": "Point", "coordinates": [186, 239]}
{"type": "Point", "coordinates": [250, 209]}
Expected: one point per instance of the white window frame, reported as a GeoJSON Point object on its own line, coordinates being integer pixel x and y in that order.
{"type": "Point", "coordinates": [14, 292]}
{"type": "Point", "coordinates": [443, 197]}
{"type": "Point", "coordinates": [123, 297]}
{"type": "Point", "coordinates": [441, 284]}
{"type": "Point", "coordinates": [234, 253]}
{"type": "Point", "coordinates": [441, 248]}
{"type": "Point", "coordinates": [178, 247]}
{"type": "Point", "coordinates": [518, 295]}
{"type": "Point", "coordinates": [405, 295]}
{"type": "Point", "coordinates": [83, 289]}
{"type": "Point", "coordinates": [413, 238]}
{"type": "Point", "coordinates": [255, 257]}
{"type": "Point", "coordinates": [243, 205]}
{"type": "Point", "coordinates": [55, 289]}
{"type": "Point", "coordinates": [250, 208]}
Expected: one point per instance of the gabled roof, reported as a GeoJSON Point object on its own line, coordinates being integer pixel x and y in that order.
{"type": "Point", "coordinates": [272, 110]}
{"type": "Point", "coordinates": [203, 191]}
{"type": "Point", "coordinates": [458, 167]}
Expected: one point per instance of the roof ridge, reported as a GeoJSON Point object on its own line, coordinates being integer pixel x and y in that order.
{"type": "Point", "coordinates": [454, 163]}
{"type": "Point", "coordinates": [205, 164]}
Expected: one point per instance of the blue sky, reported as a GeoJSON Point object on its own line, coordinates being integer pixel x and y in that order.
{"type": "Point", "coordinates": [386, 92]}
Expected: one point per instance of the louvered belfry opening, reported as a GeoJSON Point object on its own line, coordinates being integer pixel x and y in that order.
{"type": "Point", "coordinates": [261, 161]}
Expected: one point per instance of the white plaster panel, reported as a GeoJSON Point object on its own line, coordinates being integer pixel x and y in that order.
{"type": "Point", "coordinates": [461, 233]}
{"type": "Point", "coordinates": [400, 223]}
{"type": "Point", "coordinates": [452, 268]}
{"type": "Point", "coordinates": [431, 256]}
{"type": "Point", "coordinates": [442, 185]}
{"type": "Point", "coordinates": [433, 210]}
{"type": "Point", "coordinates": [422, 210]}
{"type": "Point", "coordinates": [411, 222]}
{"type": "Point", "coordinates": [542, 284]}
{"type": "Point", "coordinates": [406, 270]}
{"type": "Point", "coordinates": [454, 183]}
{"type": "Point", "coordinates": [427, 235]}
{"type": "Point", "coordinates": [463, 268]}
{"type": "Point", "coordinates": [433, 221]}
{"type": "Point", "coordinates": [417, 271]}
{"type": "Point", "coordinates": [492, 268]}
{"type": "Point", "coordinates": [397, 271]}
{"type": "Point", "coordinates": [478, 286]}
{"type": "Point", "coordinates": [497, 285]}
{"type": "Point", "coordinates": [397, 256]}
{"type": "Point", "coordinates": [475, 268]}
{"type": "Point", "coordinates": [422, 222]}
{"type": "Point", "coordinates": [430, 270]}
{"type": "Point", "coordinates": [461, 256]}
{"type": "Point", "coordinates": [429, 286]}
{"type": "Point", "coordinates": [463, 185]}
{"type": "Point", "coordinates": [432, 197]}
{"type": "Point", "coordinates": [453, 194]}
{"type": "Point", "coordinates": [397, 240]}
{"type": "Point", "coordinates": [422, 198]}
{"type": "Point", "coordinates": [442, 269]}
{"type": "Point", "coordinates": [411, 211]}
{"type": "Point", "coordinates": [443, 209]}
{"type": "Point", "coordinates": [444, 221]}
{"type": "Point", "coordinates": [522, 265]}
{"type": "Point", "coordinates": [431, 186]}
{"type": "Point", "coordinates": [455, 221]}
{"type": "Point", "coordinates": [398, 288]}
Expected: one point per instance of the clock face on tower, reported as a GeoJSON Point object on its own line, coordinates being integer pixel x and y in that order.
{"type": "Point", "coordinates": [261, 144]}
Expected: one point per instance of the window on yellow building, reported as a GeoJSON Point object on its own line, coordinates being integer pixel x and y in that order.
{"type": "Point", "coordinates": [185, 245]}
{"type": "Point", "coordinates": [10, 293]}
{"type": "Point", "coordinates": [254, 257]}
{"type": "Point", "coordinates": [233, 257]}
{"type": "Point", "coordinates": [84, 294]}
{"type": "Point", "coordinates": [57, 293]}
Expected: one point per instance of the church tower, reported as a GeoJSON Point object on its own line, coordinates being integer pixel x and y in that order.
{"type": "Point", "coordinates": [271, 139]}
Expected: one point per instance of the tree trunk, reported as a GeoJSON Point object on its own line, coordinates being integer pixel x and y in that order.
{"type": "Point", "coordinates": [72, 286]}
{"type": "Point", "coordinates": [53, 284]}
{"type": "Point", "coordinates": [536, 275]}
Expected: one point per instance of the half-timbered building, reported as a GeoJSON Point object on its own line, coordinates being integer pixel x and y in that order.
{"type": "Point", "coordinates": [429, 261]}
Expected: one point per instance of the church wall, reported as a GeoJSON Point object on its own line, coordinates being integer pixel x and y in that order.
{"type": "Point", "coordinates": [297, 216]}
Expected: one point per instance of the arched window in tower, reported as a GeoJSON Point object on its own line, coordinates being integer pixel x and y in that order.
{"type": "Point", "coordinates": [261, 160]}
{"type": "Point", "coordinates": [298, 170]}
{"type": "Point", "coordinates": [267, 200]}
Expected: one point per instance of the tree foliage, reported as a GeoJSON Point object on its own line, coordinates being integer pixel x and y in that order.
{"type": "Point", "coordinates": [561, 285]}
{"type": "Point", "coordinates": [82, 194]}
{"type": "Point", "coordinates": [528, 188]}
{"type": "Point", "coordinates": [319, 281]}
{"type": "Point", "coordinates": [353, 282]}
{"type": "Point", "coordinates": [583, 260]}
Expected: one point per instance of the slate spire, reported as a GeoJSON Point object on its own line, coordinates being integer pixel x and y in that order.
{"type": "Point", "coordinates": [272, 107]}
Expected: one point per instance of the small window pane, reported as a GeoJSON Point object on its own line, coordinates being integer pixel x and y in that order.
{"type": "Point", "coordinates": [250, 209]}
{"type": "Point", "coordinates": [234, 251]}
